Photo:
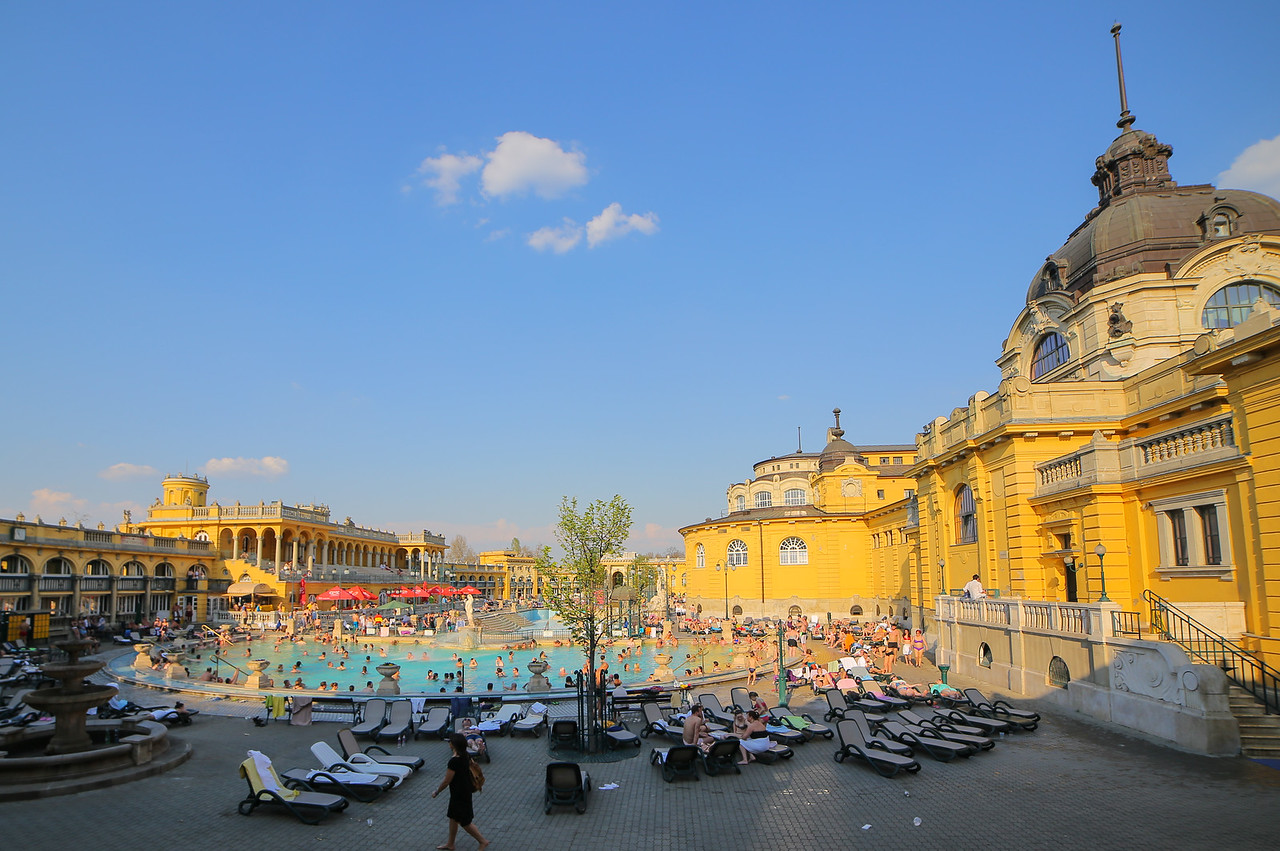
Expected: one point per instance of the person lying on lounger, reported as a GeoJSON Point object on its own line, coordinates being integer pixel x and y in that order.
{"type": "Point", "coordinates": [944, 690]}
{"type": "Point", "coordinates": [906, 689]}
{"type": "Point", "coordinates": [476, 744]}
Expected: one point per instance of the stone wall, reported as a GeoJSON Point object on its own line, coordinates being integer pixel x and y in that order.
{"type": "Point", "coordinates": [1068, 654]}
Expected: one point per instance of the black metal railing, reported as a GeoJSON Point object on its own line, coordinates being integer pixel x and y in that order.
{"type": "Point", "coordinates": [1126, 623]}
{"type": "Point", "coordinates": [1205, 645]}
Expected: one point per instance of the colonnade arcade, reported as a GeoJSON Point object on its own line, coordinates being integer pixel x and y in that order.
{"type": "Point", "coordinates": [296, 549]}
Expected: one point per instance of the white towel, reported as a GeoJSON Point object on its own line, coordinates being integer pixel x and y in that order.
{"type": "Point", "coordinates": [263, 764]}
{"type": "Point", "coordinates": [489, 726]}
{"type": "Point", "coordinates": [417, 704]}
{"type": "Point", "coordinates": [538, 709]}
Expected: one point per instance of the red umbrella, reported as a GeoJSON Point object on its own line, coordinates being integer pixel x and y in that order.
{"type": "Point", "coordinates": [470, 589]}
{"type": "Point", "coordinates": [336, 593]}
{"type": "Point", "coordinates": [450, 592]}
{"type": "Point", "coordinates": [359, 593]}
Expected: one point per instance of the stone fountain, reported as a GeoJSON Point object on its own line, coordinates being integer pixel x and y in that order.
{"type": "Point", "coordinates": [76, 753]}
{"type": "Point", "coordinates": [70, 702]}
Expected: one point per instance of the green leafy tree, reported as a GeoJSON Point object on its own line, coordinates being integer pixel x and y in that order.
{"type": "Point", "coordinates": [576, 585]}
{"type": "Point", "coordinates": [643, 577]}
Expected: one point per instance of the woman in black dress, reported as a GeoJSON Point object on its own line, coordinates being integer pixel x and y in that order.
{"type": "Point", "coordinates": [457, 777]}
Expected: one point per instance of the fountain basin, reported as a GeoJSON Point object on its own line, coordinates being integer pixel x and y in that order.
{"type": "Point", "coordinates": [142, 748]}
{"type": "Point", "coordinates": [68, 705]}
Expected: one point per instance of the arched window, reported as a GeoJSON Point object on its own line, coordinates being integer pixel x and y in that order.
{"type": "Point", "coordinates": [1229, 306]}
{"type": "Point", "coordinates": [97, 567]}
{"type": "Point", "coordinates": [1051, 352]}
{"type": "Point", "coordinates": [793, 551]}
{"type": "Point", "coordinates": [741, 502]}
{"type": "Point", "coordinates": [204, 536]}
{"type": "Point", "coordinates": [966, 516]}
{"type": "Point", "coordinates": [737, 553]}
{"type": "Point", "coordinates": [700, 556]}
{"type": "Point", "coordinates": [164, 569]}
{"type": "Point", "coordinates": [15, 564]}
{"type": "Point", "coordinates": [1221, 225]}
{"type": "Point", "coordinates": [133, 568]}
{"type": "Point", "coordinates": [764, 499]}
{"type": "Point", "coordinates": [795, 496]}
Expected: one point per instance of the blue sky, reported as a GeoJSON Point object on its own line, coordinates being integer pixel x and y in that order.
{"type": "Point", "coordinates": [437, 265]}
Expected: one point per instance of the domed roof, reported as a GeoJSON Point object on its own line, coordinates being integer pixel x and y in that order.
{"type": "Point", "coordinates": [837, 450]}
{"type": "Point", "coordinates": [1144, 220]}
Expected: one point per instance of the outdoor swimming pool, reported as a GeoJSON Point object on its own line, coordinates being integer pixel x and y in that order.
{"type": "Point", "coordinates": [363, 658]}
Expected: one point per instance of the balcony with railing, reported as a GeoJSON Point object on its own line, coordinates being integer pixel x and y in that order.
{"type": "Point", "coordinates": [1050, 617]}
{"type": "Point", "coordinates": [1194, 445]}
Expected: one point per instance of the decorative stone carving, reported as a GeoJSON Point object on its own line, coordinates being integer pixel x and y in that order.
{"type": "Point", "coordinates": [1117, 324]}
{"type": "Point", "coordinates": [851, 487]}
{"type": "Point", "coordinates": [1147, 675]}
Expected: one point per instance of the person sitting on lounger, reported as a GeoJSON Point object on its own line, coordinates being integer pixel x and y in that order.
{"type": "Point", "coordinates": [696, 731]}
{"type": "Point", "coordinates": [749, 743]}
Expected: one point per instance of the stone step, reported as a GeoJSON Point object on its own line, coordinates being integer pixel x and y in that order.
{"type": "Point", "coordinates": [1260, 752]}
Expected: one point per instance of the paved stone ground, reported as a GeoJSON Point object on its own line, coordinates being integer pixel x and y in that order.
{"type": "Point", "coordinates": [1070, 784]}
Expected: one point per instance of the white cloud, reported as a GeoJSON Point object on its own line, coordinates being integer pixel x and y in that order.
{"type": "Point", "coordinates": [446, 172]}
{"type": "Point", "coordinates": [558, 239]}
{"type": "Point", "coordinates": [268, 466]}
{"type": "Point", "coordinates": [495, 235]}
{"type": "Point", "coordinates": [1257, 168]}
{"type": "Point", "coordinates": [523, 162]}
{"type": "Point", "coordinates": [125, 470]}
{"type": "Point", "coordinates": [613, 223]}
{"type": "Point", "coordinates": [49, 501]}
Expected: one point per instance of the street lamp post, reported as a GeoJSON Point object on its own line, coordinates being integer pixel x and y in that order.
{"type": "Point", "coordinates": [1101, 551]}
{"type": "Point", "coordinates": [942, 578]}
{"type": "Point", "coordinates": [726, 569]}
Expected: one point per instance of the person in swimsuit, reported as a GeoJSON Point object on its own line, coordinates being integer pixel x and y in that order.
{"type": "Point", "coordinates": [917, 648]}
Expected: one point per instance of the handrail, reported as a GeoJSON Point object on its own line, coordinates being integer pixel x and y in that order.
{"type": "Point", "coordinates": [1205, 645]}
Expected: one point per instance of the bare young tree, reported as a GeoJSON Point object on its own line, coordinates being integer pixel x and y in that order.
{"type": "Point", "coordinates": [460, 551]}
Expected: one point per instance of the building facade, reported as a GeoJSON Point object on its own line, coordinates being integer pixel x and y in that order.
{"type": "Point", "coordinates": [189, 556]}
{"type": "Point", "coordinates": [802, 536]}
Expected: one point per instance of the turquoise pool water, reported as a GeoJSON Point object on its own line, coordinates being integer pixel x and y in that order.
{"type": "Point", "coordinates": [362, 660]}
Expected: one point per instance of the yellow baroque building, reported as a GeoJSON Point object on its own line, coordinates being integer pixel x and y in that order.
{"type": "Point", "coordinates": [1125, 472]}
{"type": "Point", "coordinates": [189, 555]}
{"type": "Point", "coordinates": [809, 534]}
{"type": "Point", "coordinates": [1109, 428]}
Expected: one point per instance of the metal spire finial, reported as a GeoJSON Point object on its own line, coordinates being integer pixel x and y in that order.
{"type": "Point", "coordinates": [1126, 119]}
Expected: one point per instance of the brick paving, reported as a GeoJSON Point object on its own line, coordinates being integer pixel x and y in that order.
{"type": "Point", "coordinates": [1070, 784]}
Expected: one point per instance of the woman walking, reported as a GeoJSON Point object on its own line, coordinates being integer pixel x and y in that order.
{"type": "Point", "coordinates": [457, 777]}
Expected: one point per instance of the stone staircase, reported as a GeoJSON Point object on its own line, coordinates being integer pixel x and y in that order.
{"type": "Point", "coordinates": [503, 622]}
{"type": "Point", "coordinates": [1259, 732]}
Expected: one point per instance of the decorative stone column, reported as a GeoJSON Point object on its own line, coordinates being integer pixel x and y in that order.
{"type": "Point", "coordinates": [257, 679]}
{"type": "Point", "coordinates": [175, 670]}
{"type": "Point", "coordinates": [663, 671]}
{"type": "Point", "coordinates": [537, 682]}
{"type": "Point", "coordinates": [388, 685]}
{"type": "Point", "coordinates": [142, 662]}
